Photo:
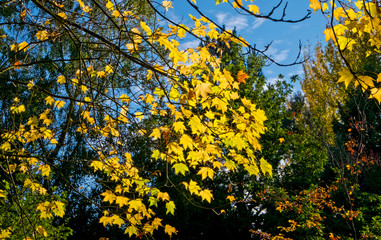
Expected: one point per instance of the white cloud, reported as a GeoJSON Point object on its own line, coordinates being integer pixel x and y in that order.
{"type": "Point", "coordinates": [277, 55]}
{"type": "Point", "coordinates": [189, 44]}
{"type": "Point", "coordinates": [221, 17]}
{"type": "Point", "coordinates": [268, 71]}
{"type": "Point", "coordinates": [276, 42]}
{"type": "Point", "coordinates": [296, 27]}
{"type": "Point", "coordinates": [257, 23]}
{"type": "Point", "coordinates": [283, 55]}
{"type": "Point", "coordinates": [231, 22]}
{"type": "Point", "coordinates": [272, 80]}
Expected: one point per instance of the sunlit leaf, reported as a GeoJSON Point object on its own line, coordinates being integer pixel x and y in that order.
{"type": "Point", "coordinates": [170, 206]}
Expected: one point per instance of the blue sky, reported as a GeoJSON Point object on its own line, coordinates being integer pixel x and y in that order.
{"type": "Point", "coordinates": [284, 36]}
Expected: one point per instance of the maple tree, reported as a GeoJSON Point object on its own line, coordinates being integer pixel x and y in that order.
{"type": "Point", "coordinates": [105, 107]}
{"type": "Point", "coordinates": [353, 25]}
{"type": "Point", "coordinates": [322, 93]}
{"type": "Point", "coordinates": [112, 68]}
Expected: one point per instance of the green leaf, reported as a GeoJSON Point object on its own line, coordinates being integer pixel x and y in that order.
{"type": "Point", "coordinates": [180, 167]}
{"type": "Point", "coordinates": [170, 207]}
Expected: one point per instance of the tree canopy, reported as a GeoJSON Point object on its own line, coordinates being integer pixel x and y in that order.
{"type": "Point", "coordinates": [112, 129]}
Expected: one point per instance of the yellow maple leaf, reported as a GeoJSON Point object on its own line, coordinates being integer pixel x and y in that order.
{"type": "Point", "coordinates": [196, 125]}
{"type": "Point", "coordinates": [42, 35]}
{"type": "Point", "coordinates": [47, 122]}
{"type": "Point", "coordinates": [180, 167]}
{"type": "Point", "coordinates": [167, 5]}
{"type": "Point", "coordinates": [74, 81]}
{"type": "Point", "coordinates": [174, 147]}
{"type": "Point", "coordinates": [30, 85]}
{"type": "Point", "coordinates": [62, 14]}
{"type": "Point", "coordinates": [230, 198]}
{"type": "Point", "coordinates": [5, 233]}
{"type": "Point", "coordinates": [192, 187]}
{"type": "Point", "coordinates": [116, 14]}
{"type": "Point", "coordinates": [155, 134]}
{"type": "Point", "coordinates": [136, 204]}
{"type": "Point", "coordinates": [206, 195]}
{"type": "Point", "coordinates": [19, 109]}
{"type": "Point", "coordinates": [266, 167]}
{"type": "Point", "coordinates": [85, 8]}
{"type": "Point", "coordinates": [315, 5]}
{"type": "Point", "coordinates": [121, 201]}
{"type": "Point", "coordinates": [163, 196]}
{"type": "Point", "coordinates": [97, 165]}
{"type": "Point", "coordinates": [23, 46]}
{"type": "Point", "coordinates": [41, 231]}
{"type": "Point", "coordinates": [117, 220]}
{"type": "Point", "coordinates": [12, 168]}
{"type": "Point", "coordinates": [281, 140]}
{"type": "Point", "coordinates": [213, 34]}
{"type": "Point", "coordinates": [206, 172]}
{"type": "Point", "coordinates": [149, 99]}
{"type": "Point", "coordinates": [365, 82]}
{"type": "Point", "coordinates": [252, 169]}
{"type": "Point", "coordinates": [168, 229]}
{"type": "Point", "coordinates": [105, 220]}
{"type": "Point", "coordinates": [139, 115]}
{"type": "Point", "coordinates": [146, 28]}
{"type": "Point", "coordinates": [2, 194]}
{"type": "Point", "coordinates": [61, 79]}
{"type": "Point", "coordinates": [237, 3]}
{"type": "Point", "coordinates": [182, 31]}
{"type": "Point", "coordinates": [345, 76]}
{"type": "Point", "coordinates": [101, 74]}
{"type": "Point", "coordinates": [110, 5]}
{"type": "Point", "coordinates": [325, 7]}
{"type": "Point", "coordinates": [131, 230]}
{"type": "Point", "coordinates": [84, 88]}
{"type": "Point", "coordinates": [45, 170]}
{"type": "Point", "coordinates": [109, 69]}
{"type": "Point", "coordinates": [339, 12]}
{"type": "Point", "coordinates": [156, 223]}
{"type": "Point", "coordinates": [109, 196]}
{"type": "Point", "coordinates": [254, 9]}
{"type": "Point", "coordinates": [44, 209]}
{"type": "Point", "coordinates": [14, 47]}
{"type": "Point", "coordinates": [59, 104]}
{"type": "Point", "coordinates": [203, 89]}
{"type": "Point", "coordinates": [376, 93]}
{"type": "Point", "coordinates": [329, 34]}
{"type": "Point", "coordinates": [59, 208]}
{"type": "Point", "coordinates": [186, 141]}
{"type": "Point", "coordinates": [379, 77]}
{"type": "Point", "coordinates": [49, 100]}
{"type": "Point", "coordinates": [124, 98]}
{"type": "Point", "coordinates": [179, 127]}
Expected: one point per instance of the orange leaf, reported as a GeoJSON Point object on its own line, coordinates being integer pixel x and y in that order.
{"type": "Point", "coordinates": [241, 77]}
{"type": "Point", "coordinates": [18, 63]}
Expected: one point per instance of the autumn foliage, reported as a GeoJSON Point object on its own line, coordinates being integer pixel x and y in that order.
{"type": "Point", "coordinates": [107, 112]}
